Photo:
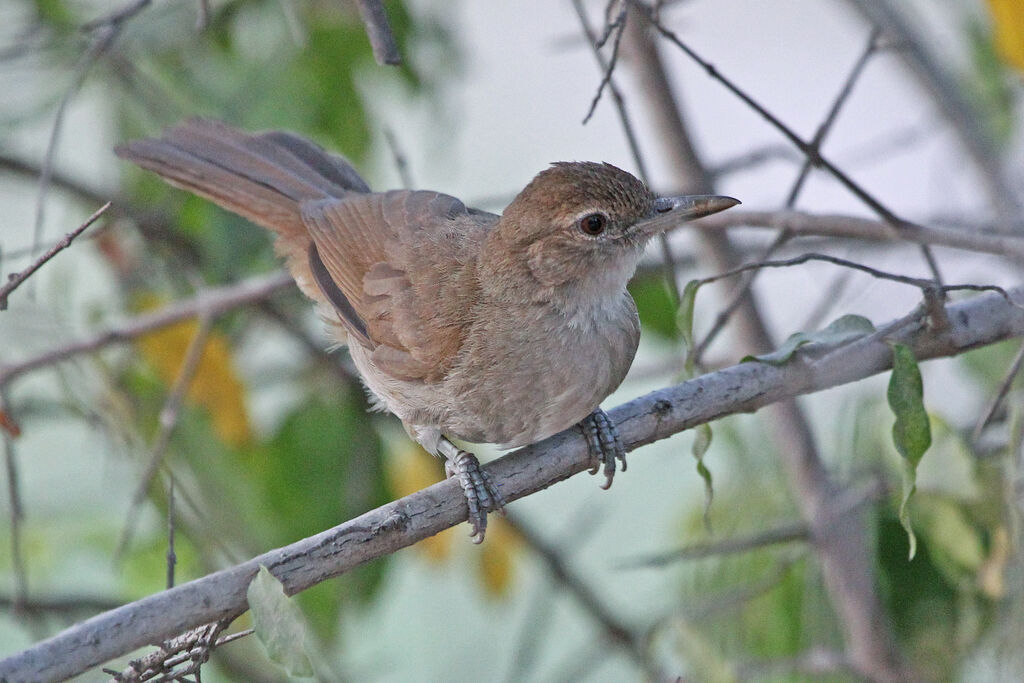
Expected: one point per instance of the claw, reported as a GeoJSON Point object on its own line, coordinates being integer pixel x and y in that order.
{"type": "Point", "coordinates": [604, 444]}
{"type": "Point", "coordinates": [482, 496]}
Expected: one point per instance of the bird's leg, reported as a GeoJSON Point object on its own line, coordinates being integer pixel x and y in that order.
{"type": "Point", "coordinates": [604, 444]}
{"type": "Point", "coordinates": [482, 496]}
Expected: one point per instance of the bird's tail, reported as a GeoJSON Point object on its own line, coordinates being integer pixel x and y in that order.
{"type": "Point", "coordinates": [261, 177]}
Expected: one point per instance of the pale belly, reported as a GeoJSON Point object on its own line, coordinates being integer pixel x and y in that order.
{"type": "Point", "coordinates": [521, 384]}
{"type": "Point", "coordinates": [517, 384]}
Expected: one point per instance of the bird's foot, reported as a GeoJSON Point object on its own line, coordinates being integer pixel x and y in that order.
{"type": "Point", "coordinates": [482, 496]}
{"type": "Point", "coordinates": [604, 444]}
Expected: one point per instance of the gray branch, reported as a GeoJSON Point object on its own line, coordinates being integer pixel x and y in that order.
{"type": "Point", "coordinates": [382, 40]}
{"type": "Point", "coordinates": [982, 320]}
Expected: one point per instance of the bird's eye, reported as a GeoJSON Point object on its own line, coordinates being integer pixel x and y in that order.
{"type": "Point", "coordinates": [593, 223]}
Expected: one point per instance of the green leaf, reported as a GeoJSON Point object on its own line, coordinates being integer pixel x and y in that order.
{"type": "Point", "coordinates": [655, 306]}
{"type": "Point", "coordinates": [841, 330]}
{"type": "Point", "coordinates": [684, 321]}
{"type": "Point", "coordinates": [701, 443]}
{"type": "Point", "coordinates": [278, 624]}
{"type": "Point", "coordinates": [911, 433]}
{"type": "Point", "coordinates": [702, 438]}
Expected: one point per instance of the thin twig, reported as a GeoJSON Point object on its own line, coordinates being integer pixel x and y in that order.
{"type": "Point", "coordinates": [172, 558]}
{"type": "Point", "coordinates": [17, 512]}
{"type": "Point", "coordinates": [997, 400]}
{"type": "Point", "coordinates": [375, 19]}
{"type": "Point", "coordinates": [537, 621]}
{"type": "Point", "coordinates": [607, 67]}
{"type": "Point", "coordinates": [99, 46]}
{"type": "Point", "coordinates": [203, 17]}
{"type": "Point", "coordinates": [850, 499]}
{"type": "Point", "coordinates": [16, 279]}
{"type": "Point", "coordinates": [168, 420]}
{"type": "Point", "coordinates": [611, 627]}
{"type": "Point", "coordinates": [398, 156]}
{"type": "Point", "coordinates": [924, 285]}
{"type": "Point", "coordinates": [812, 154]}
{"type": "Point", "coordinates": [211, 302]}
{"type": "Point", "coordinates": [730, 546]}
{"type": "Point", "coordinates": [616, 28]}
{"type": "Point", "coordinates": [855, 227]}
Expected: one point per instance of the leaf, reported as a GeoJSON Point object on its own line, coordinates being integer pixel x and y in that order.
{"type": "Point", "coordinates": [911, 433]}
{"type": "Point", "coordinates": [216, 385]}
{"type": "Point", "coordinates": [1008, 30]}
{"type": "Point", "coordinates": [841, 330]}
{"type": "Point", "coordinates": [278, 624]}
{"type": "Point", "coordinates": [684, 321]}
{"type": "Point", "coordinates": [702, 438]}
{"type": "Point", "coordinates": [655, 306]}
{"type": "Point", "coordinates": [701, 443]}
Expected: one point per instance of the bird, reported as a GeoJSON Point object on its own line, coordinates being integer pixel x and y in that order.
{"type": "Point", "coordinates": [462, 323]}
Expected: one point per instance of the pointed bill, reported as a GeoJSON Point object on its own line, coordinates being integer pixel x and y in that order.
{"type": "Point", "coordinates": [670, 212]}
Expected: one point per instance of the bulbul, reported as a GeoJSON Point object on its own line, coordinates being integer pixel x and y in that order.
{"type": "Point", "coordinates": [490, 329]}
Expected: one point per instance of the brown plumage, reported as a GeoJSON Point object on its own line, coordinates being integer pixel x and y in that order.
{"type": "Point", "coordinates": [491, 329]}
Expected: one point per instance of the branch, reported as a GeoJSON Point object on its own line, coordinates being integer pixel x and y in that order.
{"type": "Point", "coordinates": [382, 40]}
{"type": "Point", "coordinates": [15, 279]}
{"type": "Point", "coordinates": [211, 303]}
{"type": "Point", "coordinates": [742, 388]}
{"type": "Point", "coordinates": [831, 225]}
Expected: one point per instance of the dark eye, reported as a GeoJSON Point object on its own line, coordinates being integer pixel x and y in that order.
{"type": "Point", "coordinates": [593, 223]}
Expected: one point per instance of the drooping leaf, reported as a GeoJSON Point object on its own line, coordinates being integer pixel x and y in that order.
{"type": "Point", "coordinates": [911, 432]}
{"type": "Point", "coordinates": [684, 321]}
{"type": "Point", "coordinates": [703, 433]}
{"type": "Point", "coordinates": [841, 330]}
{"type": "Point", "coordinates": [278, 624]}
{"type": "Point", "coordinates": [701, 444]}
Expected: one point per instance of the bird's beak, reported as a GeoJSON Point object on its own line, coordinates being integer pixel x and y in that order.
{"type": "Point", "coordinates": [669, 212]}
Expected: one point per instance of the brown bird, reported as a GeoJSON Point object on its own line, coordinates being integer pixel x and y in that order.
{"type": "Point", "coordinates": [491, 329]}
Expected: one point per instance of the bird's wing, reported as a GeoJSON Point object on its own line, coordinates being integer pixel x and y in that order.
{"type": "Point", "coordinates": [399, 268]}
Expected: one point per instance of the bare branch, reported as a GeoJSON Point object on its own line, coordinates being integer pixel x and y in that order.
{"type": "Point", "coordinates": [611, 627]}
{"type": "Point", "coordinates": [743, 388]}
{"type": "Point", "coordinates": [17, 511]}
{"type": "Point", "coordinates": [925, 286]}
{"type": "Point", "coordinates": [952, 101]}
{"type": "Point", "coordinates": [212, 302]}
{"type": "Point", "coordinates": [385, 49]}
{"type": "Point", "coordinates": [997, 400]}
{"type": "Point", "coordinates": [168, 420]}
{"type": "Point", "coordinates": [14, 280]}
{"type": "Point", "coordinates": [832, 225]}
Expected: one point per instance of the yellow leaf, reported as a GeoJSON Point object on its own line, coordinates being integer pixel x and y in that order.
{"type": "Point", "coordinates": [1008, 25]}
{"type": "Point", "coordinates": [216, 386]}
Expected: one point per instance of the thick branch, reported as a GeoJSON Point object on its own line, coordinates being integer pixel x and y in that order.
{"type": "Point", "coordinates": [743, 388]}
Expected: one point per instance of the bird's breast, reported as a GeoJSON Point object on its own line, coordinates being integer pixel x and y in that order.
{"type": "Point", "coordinates": [528, 371]}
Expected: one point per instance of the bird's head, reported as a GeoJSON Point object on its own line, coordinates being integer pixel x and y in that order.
{"type": "Point", "coordinates": [582, 226]}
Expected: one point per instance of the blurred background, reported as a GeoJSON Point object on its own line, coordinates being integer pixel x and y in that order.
{"type": "Point", "coordinates": [272, 441]}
